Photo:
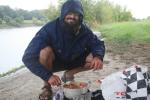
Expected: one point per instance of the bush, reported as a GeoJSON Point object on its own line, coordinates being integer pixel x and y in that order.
{"type": "Point", "coordinates": [19, 19]}
{"type": "Point", "coordinates": [127, 32]}
{"type": "Point", "coordinates": [7, 19]}
{"type": "Point", "coordinates": [1, 21]}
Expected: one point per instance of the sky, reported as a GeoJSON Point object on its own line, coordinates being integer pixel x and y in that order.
{"type": "Point", "coordinates": [139, 8]}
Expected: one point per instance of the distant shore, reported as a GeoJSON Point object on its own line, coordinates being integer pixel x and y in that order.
{"type": "Point", "coordinates": [5, 26]}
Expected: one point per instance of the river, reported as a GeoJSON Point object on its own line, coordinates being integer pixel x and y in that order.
{"type": "Point", "coordinates": [13, 42]}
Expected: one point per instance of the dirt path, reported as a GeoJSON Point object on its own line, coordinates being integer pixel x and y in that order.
{"type": "Point", "coordinates": [23, 85]}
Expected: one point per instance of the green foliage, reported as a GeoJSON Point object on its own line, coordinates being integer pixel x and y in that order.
{"type": "Point", "coordinates": [19, 19]}
{"type": "Point", "coordinates": [16, 17]}
{"type": "Point", "coordinates": [35, 21]}
{"type": "Point", "coordinates": [39, 14]}
{"type": "Point", "coordinates": [24, 13]}
{"type": "Point", "coordinates": [127, 32]}
{"type": "Point", "coordinates": [13, 22]}
{"type": "Point", "coordinates": [1, 21]}
{"type": "Point", "coordinates": [96, 11]}
{"type": "Point", "coordinates": [52, 12]}
{"type": "Point", "coordinates": [7, 19]}
{"type": "Point", "coordinates": [7, 11]}
{"type": "Point", "coordinates": [88, 10]}
{"type": "Point", "coordinates": [103, 11]}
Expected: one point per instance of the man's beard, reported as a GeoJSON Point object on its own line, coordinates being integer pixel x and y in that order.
{"type": "Point", "coordinates": [71, 28]}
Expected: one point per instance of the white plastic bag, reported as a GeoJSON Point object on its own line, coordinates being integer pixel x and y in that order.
{"type": "Point", "coordinates": [113, 87]}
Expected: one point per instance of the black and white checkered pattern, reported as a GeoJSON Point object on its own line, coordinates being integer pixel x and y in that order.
{"type": "Point", "coordinates": [137, 81]}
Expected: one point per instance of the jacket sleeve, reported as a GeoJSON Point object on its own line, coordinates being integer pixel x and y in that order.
{"type": "Point", "coordinates": [31, 55]}
{"type": "Point", "coordinates": [96, 46]}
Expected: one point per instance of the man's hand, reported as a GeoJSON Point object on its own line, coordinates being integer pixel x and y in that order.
{"type": "Point", "coordinates": [54, 80]}
{"type": "Point", "coordinates": [96, 64]}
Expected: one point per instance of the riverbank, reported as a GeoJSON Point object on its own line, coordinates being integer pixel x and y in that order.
{"type": "Point", "coordinates": [5, 26]}
{"type": "Point", "coordinates": [25, 23]}
{"type": "Point", "coordinates": [11, 71]}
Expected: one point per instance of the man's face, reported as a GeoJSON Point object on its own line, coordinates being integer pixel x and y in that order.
{"type": "Point", "coordinates": [72, 19]}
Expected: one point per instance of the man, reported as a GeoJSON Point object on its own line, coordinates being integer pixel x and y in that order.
{"type": "Point", "coordinates": [64, 44]}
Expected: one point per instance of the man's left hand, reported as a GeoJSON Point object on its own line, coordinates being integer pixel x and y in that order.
{"type": "Point", "coordinates": [96, 63]}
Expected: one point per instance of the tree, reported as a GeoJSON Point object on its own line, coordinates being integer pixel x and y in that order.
{"type": "Point", "coordinates": [88, 10]}
{"type": "Point", "coordinates": [52, 12]}
{"type": "Point", "coordinates": [37, 13]}
{"type": "Point", "coordinates": [7, 11]}
{"type": "Point", "coordinates": [35, 21]}
{"type": "Point", "coordinates": [1, 21]}
{"type": "Point", "coordinates": [7, 19]}
{"type": "Point", "coordinates": [19, 19]}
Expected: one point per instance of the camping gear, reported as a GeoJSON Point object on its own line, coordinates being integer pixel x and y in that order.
{"type": "Point", "coordinates": [73, 91]}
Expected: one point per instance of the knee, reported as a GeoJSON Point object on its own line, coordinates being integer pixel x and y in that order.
{"type": "Point", "coordinates": [46, 56]}
{"type": "Point", "coordinates": [89, 58]}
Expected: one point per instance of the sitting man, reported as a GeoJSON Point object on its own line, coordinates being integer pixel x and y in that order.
{"type": "Point", "coordinates": [65, 43]}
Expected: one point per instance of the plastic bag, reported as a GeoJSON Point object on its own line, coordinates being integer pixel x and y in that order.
{"type": "Point", "coordinates": [113, 87]}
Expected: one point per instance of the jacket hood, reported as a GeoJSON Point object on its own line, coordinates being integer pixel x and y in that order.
{"type": "Point", "coordinates": [72, 6]}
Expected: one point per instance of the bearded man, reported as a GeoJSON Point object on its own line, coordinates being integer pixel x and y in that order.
{"type": "Point", "coordinates": [65, 43]}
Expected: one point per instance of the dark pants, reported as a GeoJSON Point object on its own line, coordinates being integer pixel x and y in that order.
{"type": "Point", "coordinates": [51, 62]}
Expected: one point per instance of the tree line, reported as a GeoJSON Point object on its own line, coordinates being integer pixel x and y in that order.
{"type": "Point", "coordinates": [18, 16]}
{"type": "Point", "coordinates": [96, 12]}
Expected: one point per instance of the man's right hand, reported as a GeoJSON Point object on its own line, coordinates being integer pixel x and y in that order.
{"type": "Point", "coordinates": [54, 80]}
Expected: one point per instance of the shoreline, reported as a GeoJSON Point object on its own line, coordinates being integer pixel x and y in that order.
{"type": "Point", "coordinates": [21, 26]}
{"type": "Point", "coordinates": [13, 70]}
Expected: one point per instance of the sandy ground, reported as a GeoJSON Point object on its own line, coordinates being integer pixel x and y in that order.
{"type": "Point", "coordinates": [23, 85]}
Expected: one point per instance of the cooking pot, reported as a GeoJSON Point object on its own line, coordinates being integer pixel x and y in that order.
{"type": "Point", "coordinates": [74, 89]}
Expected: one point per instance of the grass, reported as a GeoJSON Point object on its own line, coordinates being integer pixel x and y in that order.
{"type": "Point", "coordinates": [127, 32]}
{"type": "Point", "coordinates": [11, 71]}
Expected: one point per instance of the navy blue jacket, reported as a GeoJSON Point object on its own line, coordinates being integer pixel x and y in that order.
{"type": "Point", "coordinates": [65, 45]}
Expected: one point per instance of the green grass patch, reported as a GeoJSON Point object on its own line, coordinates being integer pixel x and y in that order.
{"type": "Point", "coordinates": [127, 32]}
{"type": "Point", "coordinates": [11, 71]}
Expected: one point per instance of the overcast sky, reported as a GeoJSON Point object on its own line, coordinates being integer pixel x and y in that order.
{"type": "Point", "coordinates": [139, 8]}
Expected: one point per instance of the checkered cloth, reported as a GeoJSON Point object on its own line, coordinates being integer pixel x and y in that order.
{"type": "Point", "coordinates": [136, 80]}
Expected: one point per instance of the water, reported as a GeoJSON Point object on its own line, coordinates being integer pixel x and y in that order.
{"type": "Point", "coordinates": [13, 42]}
